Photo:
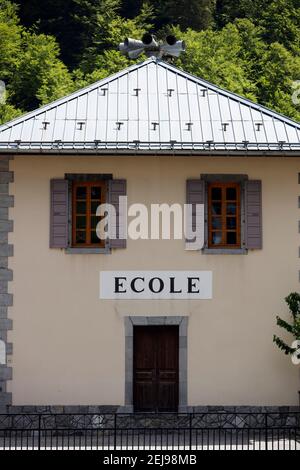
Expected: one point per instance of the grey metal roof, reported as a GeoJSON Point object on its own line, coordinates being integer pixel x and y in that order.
{"type": "Point", "coordinates": [151, 107]}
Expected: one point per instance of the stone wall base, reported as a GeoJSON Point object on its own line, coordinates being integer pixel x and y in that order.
{"type": "Point", "coordinates": [95, 409]}
{"type": "Point", "coordinates": [79, 418]}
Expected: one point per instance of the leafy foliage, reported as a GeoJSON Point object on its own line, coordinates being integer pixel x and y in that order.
{"type": "Point", "coordinates": [189, 13]}
{"type": "Point", "coordinates": [48, 49]}
{"type": "Point", "coordinates": [293, 302]}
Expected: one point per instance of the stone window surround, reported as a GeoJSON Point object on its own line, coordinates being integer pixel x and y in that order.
{"type": "Point", "coordinates": [129, 323]}
{"type": "Point", "coordinates": [225, 178]}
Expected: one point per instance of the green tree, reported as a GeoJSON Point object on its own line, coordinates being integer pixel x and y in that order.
{"type": "Point", "coordinates": [217, 57]}
{"type": "Point", "coordinates": [40, 76]}
{"type": "Point", "coordinates": [277, 69]}
{"type": "Point", "coordinates": [108, 63]}
{"type": "Point", "coordinates": [281, 21]}
{"type": "Point", "coordinates": [10, 50]}
{"type": "Point", "coordinates": [29, 65]}
{"type": "Point", "coordinates": [293, 302]}
{"type": "Point", "coordinates": [74, 23]}
{"type": "Point", "coordinates": [114, 30]}
{"type": "Point", "coordinates": [194, 14]}
{"type": "Point", "coordinates": [8, 112]}
{"type": "Point", "coordinates": [227, 11]}
{"type": "Point", "coordinates": [10, 39]}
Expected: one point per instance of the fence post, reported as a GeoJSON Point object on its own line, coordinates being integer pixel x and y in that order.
{"type": "Point", "coordinates": [115, 431]}
{"type": "Point", "coordinates": [266, 430]}
{"type": "Point", "coordinates": [40, 430]}
{"type": "Point", "coordinates": [191, 431]}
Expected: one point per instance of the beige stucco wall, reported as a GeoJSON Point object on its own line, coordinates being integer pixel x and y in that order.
{"type": "Point", "coordinates": [69, 345]}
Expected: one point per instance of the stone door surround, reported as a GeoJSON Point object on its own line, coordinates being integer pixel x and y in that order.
{"type": "Point", "coordinates": [129, 323]}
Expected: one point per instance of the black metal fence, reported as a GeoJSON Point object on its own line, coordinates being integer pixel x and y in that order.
{"type": "Point", "coordinates": [164, 431]}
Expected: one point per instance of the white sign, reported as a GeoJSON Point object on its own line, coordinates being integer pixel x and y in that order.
{"type": "Point", "coordinates": [156, 285]}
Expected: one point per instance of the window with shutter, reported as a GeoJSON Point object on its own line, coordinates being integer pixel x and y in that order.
{"type": "Point", "coordinates": [233, 212]}
{"type": "Point", "coordinates": [73, 220]}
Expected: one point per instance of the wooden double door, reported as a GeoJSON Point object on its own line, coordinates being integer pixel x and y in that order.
{"type": "Point", "coordinates": [155, 368]}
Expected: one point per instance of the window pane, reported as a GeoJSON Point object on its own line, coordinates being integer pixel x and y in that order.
{"type": "Point", "coordinates": [94, 222]}
{"type": "Point", "coordinates": [216, 238]}
{"type": "Point", "coordinates": [231, 223]}
{"type": "Point", "coordinates": [94, 237]}
{"type": "Point", "coordinates": [94, 206]}
{"type": "Point", "coordinates": [231, 209]}
{"type": "Point", "coordinates": [81, 192]}
{"type": "Point", "coordinates": [217, 223]}
{"type": "Point", "coordinates": [216, 194]}
{"type": "Point", "coordinates": [96, 192]}
{"type": "Point", "coordinates": [81, 222]}
{"type": "Point", "coordinates": [80, 208]}
{"type": "Point", "coordinates": [80, 236]}
{"type": "Point", "coordinates": [231, 194]}
{"type": "Point", "coordinates": [231, 238]}
{"type": "Point", "coordinates": [216, 208]}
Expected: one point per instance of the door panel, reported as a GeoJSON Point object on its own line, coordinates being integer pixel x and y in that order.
{"type": "Point", "coordinates": [156, 368]}
{"type": "Point", "coordinates": [167, 368]}
{"type": "Point", "coordinates": [144, 369]}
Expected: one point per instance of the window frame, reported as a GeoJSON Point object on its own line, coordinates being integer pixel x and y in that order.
{"type": "Point", "coordinates": [226, 178]}
{"type": "Point", "coordinates": [82, 178]}
{"type": "Point", "coordinates": [88, 213]}
{"type": "Point", "coordinates": [223, 216]}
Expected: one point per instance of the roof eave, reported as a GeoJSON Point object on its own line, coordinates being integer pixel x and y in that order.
{"type": "Point", "coordinates": [167, 152]}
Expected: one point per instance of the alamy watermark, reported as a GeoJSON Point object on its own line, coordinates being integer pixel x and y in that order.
{"type": "Point", "coordinates": [296, 93]}
{"type": "Point", "coordinates": [2, 92]}
{"type": "Point", "coordinates": [296, 355]}
{"type": "Point", "coordinates": [156, 222]}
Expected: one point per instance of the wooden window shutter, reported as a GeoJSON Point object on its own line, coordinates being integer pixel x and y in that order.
{"type": "Point", "coordinates": [58, 213]}
{"type": "Point", "coordinates": [195, 194]}
{"type": "Point", "coordinates": [253, 213]}
{"type": "Point", "coordinates": [117, 188]}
